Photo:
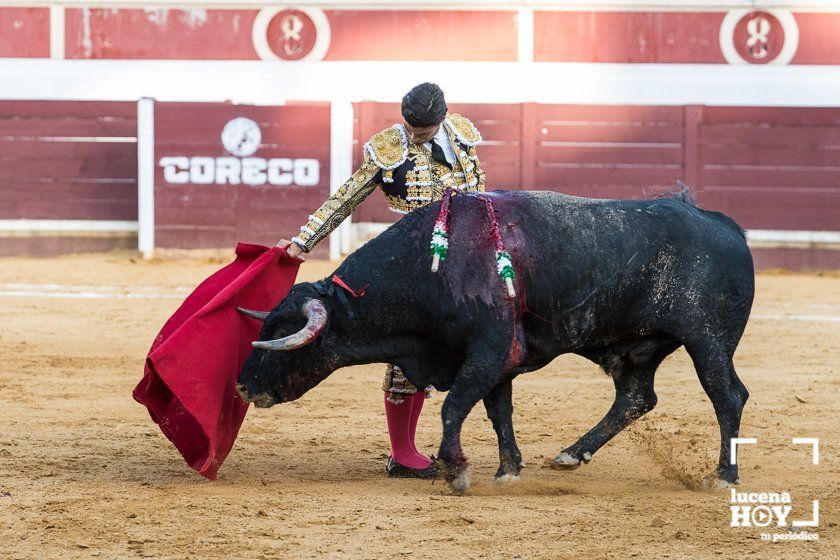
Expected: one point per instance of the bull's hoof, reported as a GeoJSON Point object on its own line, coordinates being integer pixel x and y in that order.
{"type": "Point", "coordinates": [506, 478]}
{"type": "Point", "coordinates": [461, 482]}
{"type": "Point", "coordinates": [568, 462]}
{"type": "Point", "coordinates": [713, 482]}
{"type": "Point", "coordinates": [564, 462]}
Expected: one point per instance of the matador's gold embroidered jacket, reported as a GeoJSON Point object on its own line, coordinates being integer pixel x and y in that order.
{"type": "Point", "coordinates": [406, 173]}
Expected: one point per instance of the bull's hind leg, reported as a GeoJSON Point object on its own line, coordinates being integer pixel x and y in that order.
{"type": "Point", "coordinates": [634, 397]}
{"type": "Point", "coordinates": [499, 407]}
{"type": "Point", "coordinates": [728, 395]}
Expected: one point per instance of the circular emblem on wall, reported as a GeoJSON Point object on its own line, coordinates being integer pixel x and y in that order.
{"type": "Point", "coordinates": [286, 33]}
{"type": "Point", "coordinates": [759, 36]}
{"type": "Point", "coordinates": [241, 137]}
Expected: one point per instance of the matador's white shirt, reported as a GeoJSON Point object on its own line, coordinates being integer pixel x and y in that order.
{"type": "Point", "coordinates": [442, 140]}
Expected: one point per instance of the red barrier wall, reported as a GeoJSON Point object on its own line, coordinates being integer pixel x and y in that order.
{"type": "Point", "coordinates": [68, 160]}
{"type": "Point", "coordinates": [222, 34]}
{"type": "Point", "coordinates": [219, 180]}
{"type": "Point", "coordinates": [636, 35]}
{"type": "Point", "coordinates": [769, 168]}
{"type": "Point", "coordinates": [24, 32]}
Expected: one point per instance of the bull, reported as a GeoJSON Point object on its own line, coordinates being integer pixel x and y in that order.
{"type": "Point", "coordinates": [623, 283]}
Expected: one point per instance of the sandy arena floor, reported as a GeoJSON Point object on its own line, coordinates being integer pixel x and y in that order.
{"type": "Point", "coordinates": [85, 473]}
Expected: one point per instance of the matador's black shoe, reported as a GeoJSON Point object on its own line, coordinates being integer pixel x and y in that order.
{"type": "Point", "coordinates": [396, 470]}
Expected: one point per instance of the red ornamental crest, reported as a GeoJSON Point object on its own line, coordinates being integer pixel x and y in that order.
{"type": "Point", "coordinates": [291, 34]}
{"type": "Point", "coordinates": [759, 37]}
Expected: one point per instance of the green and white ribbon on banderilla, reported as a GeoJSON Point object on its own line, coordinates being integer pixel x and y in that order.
{"type": "Point", "coordinates": [440, 241]}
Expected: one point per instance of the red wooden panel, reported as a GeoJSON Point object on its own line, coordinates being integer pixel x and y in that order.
{"type": "Point", "coordinates": [51, 168]}
{"type": "Point", "coordinates": [609, 128]}
{"type": "Point", "coordinates": [607, 151]}
{"type": "Point", "coordinates": [68, 201]}
{"type": "Point", "coordinates": [781, 209]}
{"type": "Point", "coordinates": [819, 42]}
{"type": "Point", "coordinates": [214, 215]}
{"type": "Point", "coordinates": [170, 33]}
{"type": "Point", "coordinates": [68, 127]}
{"type": "Point", "coordinates": [643, 155]}
{"type": "Point", "coordinates": [796, 155]}
{"type": "Point", "coordinates": [266, 207]}
{"type": "Point", "coordinates": [24, 32]}
{"type": "Point", "coordinates": [796, 259]}
{"type": "Point", "coordinates": [200, 216]}
{"type": "Point", "coordinates": [693, 114]}
{"type": "Point", "coordinates": [422, 35]}
{"type": "Point", "coordinates": [527, 153]}
{"type": "Point", "coordinates": [773, 115]}
{"type": "Point", "coordinates": [89, 166]}
{"type": "Point", "coordinates": [653, 115]}
{"type": "Point", "coordinates": [557, 178]}
{"type": "Point", "coordinates": [188, 122]}
{"type": "Point", "coordinates": [760, 134]}
{"type": "Point", "coordinates": [164, 33]}
{"type": "Point", "coordinates": [195, 237]}
{"type": "Point", "coordinates": [608, 36]}
{"type": "Point", "coordinates": [501, 174]}
{"type": "Point", "coordinates": [771, 167]}
{"type": "Point", "coordinates": [17, 149]}
{"type": "Point", "coordinates": [771, 177]}
{"type": "Point", "coordinates": [68, 109]}
{"type": "Point", "coordinates": [627, 135]}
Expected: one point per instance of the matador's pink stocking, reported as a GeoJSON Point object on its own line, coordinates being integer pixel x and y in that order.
{"type": "Point", "coordinates": [401, 426]}
{"type": "Point", "coordinates": [417, 400]}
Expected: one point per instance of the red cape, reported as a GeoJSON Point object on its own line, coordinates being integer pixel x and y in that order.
{"type": "Point", "coordinates": [189, 380]}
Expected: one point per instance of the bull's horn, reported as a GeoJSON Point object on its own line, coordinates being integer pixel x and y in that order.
{"type": "Point", "coordinates": [316, 315]}
{"type": "Point", "coordinates": [259, 315]}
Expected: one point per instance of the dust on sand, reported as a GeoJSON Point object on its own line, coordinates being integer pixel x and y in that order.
{"type": "Point", "coordinates": [85, 473]}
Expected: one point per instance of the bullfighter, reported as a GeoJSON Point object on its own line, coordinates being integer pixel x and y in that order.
{"type": "Point", "coordinates": [413, 163]}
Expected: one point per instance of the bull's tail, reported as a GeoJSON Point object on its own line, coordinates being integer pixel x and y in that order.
{"type": "Point", "coordinates": [682, 194]}
{"type": "Point", "coordinates": [686, 195]}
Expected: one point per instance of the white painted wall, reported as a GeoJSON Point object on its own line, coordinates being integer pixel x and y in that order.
{"type": "Point", "coordinates": [262, 82]}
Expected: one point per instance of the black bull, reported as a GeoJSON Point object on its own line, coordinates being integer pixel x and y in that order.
{"type": "Point", "coordinates": [623, 283]}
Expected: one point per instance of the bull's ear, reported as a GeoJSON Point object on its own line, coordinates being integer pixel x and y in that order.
{"type": "Point", "coordinates": [316, 319]}
{"type": "Point", "coordinates": [259, 315]}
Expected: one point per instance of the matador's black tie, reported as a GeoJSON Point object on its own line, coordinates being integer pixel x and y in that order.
{"type": "Point", "coordinates": [438, 155]}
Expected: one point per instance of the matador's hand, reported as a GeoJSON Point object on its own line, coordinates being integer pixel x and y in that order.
{"type": "Point", "coordinates": [292, 249]}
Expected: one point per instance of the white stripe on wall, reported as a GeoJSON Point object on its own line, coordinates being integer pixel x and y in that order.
{"type": "Point", "coordinates": [67, 226]}
{"type": "Point", "coordinates": [263, 82]}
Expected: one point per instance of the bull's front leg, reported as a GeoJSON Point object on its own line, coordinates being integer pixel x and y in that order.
{"type": "Point", "coordinates": [478, 375]}
{"type": "Point", "coordinates": [499, 405]}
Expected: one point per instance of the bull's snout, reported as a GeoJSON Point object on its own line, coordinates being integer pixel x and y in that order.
{"type": "Point", "coordinates": [261, 400]}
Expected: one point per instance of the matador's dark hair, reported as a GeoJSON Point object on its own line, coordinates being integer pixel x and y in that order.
{"type": "Point", "coordinates": [424, 105]}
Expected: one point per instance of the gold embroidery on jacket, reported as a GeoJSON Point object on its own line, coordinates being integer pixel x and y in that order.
{"type": "Point", "coordinates": [389, 148]}
{"type": "Point", "coordinates": [338, 206]}
{"type": "Point", "coordinates": [425, 181]}
{"type": "Point", "coordinates": [464, 130]}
